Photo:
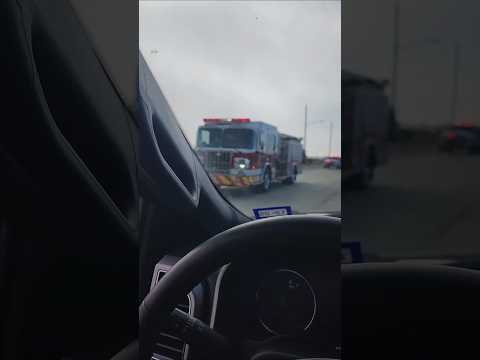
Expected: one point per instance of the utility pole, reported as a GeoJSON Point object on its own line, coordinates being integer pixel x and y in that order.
{"type": "Point", "coordinates": [396, 44]}
{"type": "Point", "coordinates": [330, 139]}
{"type": "Point", "coordinates": [305, 131]}
{"type": "Point", "coordinates": [456, 66]}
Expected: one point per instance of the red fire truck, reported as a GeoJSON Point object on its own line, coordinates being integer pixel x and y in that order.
{"type": "Point", "coordinates": [243, 153]}
{"type": "Point", "coordinates": [366, 124]}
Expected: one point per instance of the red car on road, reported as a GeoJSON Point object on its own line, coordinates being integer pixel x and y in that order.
{"type": "Point", "coordinates": [332, 162]}
{"type": "Point", "coordinates": [464, 136]}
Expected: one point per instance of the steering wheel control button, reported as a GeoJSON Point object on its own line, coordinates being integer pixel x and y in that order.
{"type": "Point", "coordinates": [194, 332]}
{"type": "Point", "coordinates": [286, 303]}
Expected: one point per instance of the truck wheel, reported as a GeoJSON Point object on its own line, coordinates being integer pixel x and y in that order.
{"type": "Point", "coordinates": [266, 183]}
{"type": "Point", "coordinates": [358, 181]}
{"type": "Point", "coordinates": [292, 179]}
{"type": "Point", "coordinates": [365, 177]}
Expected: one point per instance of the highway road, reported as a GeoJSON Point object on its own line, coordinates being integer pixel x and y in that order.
{"type": "Point", "coordinates": [422, 204]}
{"type": "Point", "coordinates": [317, 189]}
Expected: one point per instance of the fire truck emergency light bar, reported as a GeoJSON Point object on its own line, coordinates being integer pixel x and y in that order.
{"type": "Point", "coordinates": [215, 121]}
{"type": "Point", "coordinates": [240, 120]}
{"type": "Point", "coordinates": [225, 121]}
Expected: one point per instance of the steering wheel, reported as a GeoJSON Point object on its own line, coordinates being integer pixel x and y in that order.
{"type": "Point", "coordinates": [300, 234]}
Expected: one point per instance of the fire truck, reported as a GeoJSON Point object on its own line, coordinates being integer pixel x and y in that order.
{"type": "Point", "coordinates": [366, 127]}
{"type": "Point", "coordinates": [239, 152]}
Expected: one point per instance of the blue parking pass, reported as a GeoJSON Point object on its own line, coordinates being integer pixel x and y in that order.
{"type": "Point", "coordinates": [352, 252]}
{"type": "Point", "coordinates": [261, 213]}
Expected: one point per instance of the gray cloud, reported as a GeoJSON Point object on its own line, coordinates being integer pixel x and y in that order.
{"type": "Point", "coordinates": [262, 60]}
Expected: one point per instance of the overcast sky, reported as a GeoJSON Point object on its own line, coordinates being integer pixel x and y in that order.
{"type": "Point", "coordinates": [427, 31]}
{"type": "Point", "coordinates": [263, 60]}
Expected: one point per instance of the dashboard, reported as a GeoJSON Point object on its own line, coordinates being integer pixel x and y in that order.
{"type": "Point", "coordinates": [268, 299]}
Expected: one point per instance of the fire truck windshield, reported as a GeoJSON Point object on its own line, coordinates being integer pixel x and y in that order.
{"type": "Point", "coordinates": [229, 138]}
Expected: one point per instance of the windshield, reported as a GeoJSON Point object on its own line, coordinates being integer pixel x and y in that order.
{"type": "Point", "coordinates": [225, 138]}
{"type": "Point", "coordinates": [255, 87]}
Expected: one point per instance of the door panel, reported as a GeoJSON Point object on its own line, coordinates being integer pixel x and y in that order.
{"type": "Point", "coordinates": [71, 179]}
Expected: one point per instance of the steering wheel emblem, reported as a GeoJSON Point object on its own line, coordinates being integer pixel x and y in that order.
{"type": "Point", "coordinates": [292, 285]}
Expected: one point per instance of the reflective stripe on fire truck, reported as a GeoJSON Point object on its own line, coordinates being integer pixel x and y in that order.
{"type": "Point", "coordinates": [224, 180]}
{"type": "Point", "coordinates": [236, 181]}
{"type": "Point", "coordinates": [228, 180]}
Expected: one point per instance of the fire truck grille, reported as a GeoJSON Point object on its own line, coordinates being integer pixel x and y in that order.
{"type": "Point", "coordinates": [217, 160]}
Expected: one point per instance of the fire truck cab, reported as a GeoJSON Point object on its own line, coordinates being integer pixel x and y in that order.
{"type": "Point", "coordinates": [243, 153]}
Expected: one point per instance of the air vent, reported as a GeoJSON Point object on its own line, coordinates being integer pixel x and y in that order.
{"type": "Point", "coordinates": [168, 346]}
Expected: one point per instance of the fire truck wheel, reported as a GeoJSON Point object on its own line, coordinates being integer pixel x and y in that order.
{"type": "Point", "coordinates": [366, 175]}
{"type": "Point", "coordinates": [364, 178]}
{"type": "Point", "coordinates": [266, 183]}
{"type": "Point", "coordinates": [292, 179]}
